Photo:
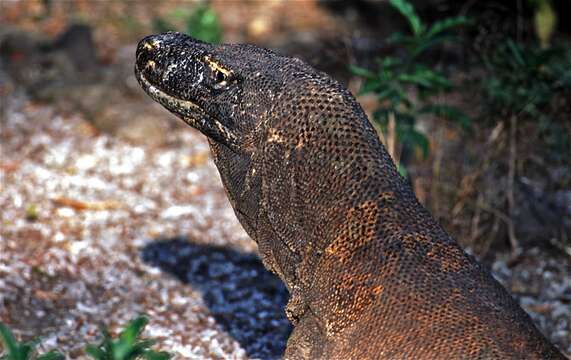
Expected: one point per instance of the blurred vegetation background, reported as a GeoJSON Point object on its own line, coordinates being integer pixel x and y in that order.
{"type": "Point", "coordinates": [471, 98]}
{"type": "Point", "coordinates": [453, 87]}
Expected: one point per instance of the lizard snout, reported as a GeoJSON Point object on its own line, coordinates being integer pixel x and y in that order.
{"type": "Point", "coordinates": [148, 52]}
{"type": "Point", "coordinates": [170, 60]}
{"type": "Point", "coordinates": [158, 41]}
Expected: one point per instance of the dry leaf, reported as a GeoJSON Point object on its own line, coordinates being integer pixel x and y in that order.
{"type": "Point", "coordinates": [83, 205]}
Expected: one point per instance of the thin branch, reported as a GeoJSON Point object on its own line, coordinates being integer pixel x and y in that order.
{"type": "Point", "coordinates": [511, 179]}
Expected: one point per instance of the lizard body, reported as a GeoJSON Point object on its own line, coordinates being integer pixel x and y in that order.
{"type": "Point", "coordinates": [370, 272]}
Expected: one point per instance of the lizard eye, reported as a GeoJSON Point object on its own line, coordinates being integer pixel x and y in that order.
{"type": "Point", "coordinates": [220, 77]}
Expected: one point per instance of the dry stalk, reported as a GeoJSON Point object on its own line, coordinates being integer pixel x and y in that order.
{"type": "Point", "coordinates": [475, 221]}
{"type": "Point", "coordinates": [511, 179]}
{"type": "Point", "coordinates": [468, 182]}
{"type": "Point", "coordinates": [436, 171]}
{"type": "Point", "coordinates": [392, 138]}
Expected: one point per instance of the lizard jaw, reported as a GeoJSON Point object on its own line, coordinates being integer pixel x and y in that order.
{"type": "Point", "coordinates": [189, 112]}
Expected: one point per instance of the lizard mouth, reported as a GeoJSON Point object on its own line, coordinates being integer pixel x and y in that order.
{"type": "Point", "coordinates": [190, 112]}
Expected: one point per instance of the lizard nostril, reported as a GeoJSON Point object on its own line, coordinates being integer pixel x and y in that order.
{"type": "Point", "coordinates": [151, 64]}
{"type": "Point", "coordinates": [148, 46]}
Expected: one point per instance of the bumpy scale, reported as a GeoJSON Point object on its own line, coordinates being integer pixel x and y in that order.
{"type": "Point", "coordinates": [371, 273]}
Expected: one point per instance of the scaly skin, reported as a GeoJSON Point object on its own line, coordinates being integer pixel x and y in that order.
{"type": "Point", "coordinates": [371, 273]}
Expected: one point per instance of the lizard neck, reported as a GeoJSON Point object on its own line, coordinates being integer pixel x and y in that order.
{"type": "Point", "coordinates": [322, 168]}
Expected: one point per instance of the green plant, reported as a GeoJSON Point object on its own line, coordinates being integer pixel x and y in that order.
{"type": "Point", "coordinates": [200, 22]}
{"type": "Point", "coordinates": [128, 346]}
{"type": "Point", "coordinates": [397, 76]}
{"type": "Point", "coordinates": [521, 84]}
{"type": "Point", "coordinates": [14, 350]}
{"type": "Point", "coordinates": [524, 79]}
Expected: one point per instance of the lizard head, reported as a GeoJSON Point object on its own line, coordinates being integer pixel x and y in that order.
{"type": "Point", "coordinates": [210, 87]}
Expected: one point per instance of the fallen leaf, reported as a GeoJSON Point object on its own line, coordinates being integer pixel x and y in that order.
{"type": "Point", "coordinates": [84, 205]}
{"type": "Point", "coordinates": [9, 166]}
{"type": "Point", "coordinates": [197, 190]}
{"type": "Point", "coordinates": [45, 295]}
{"type": "Point", "coordinates": [541, 308]}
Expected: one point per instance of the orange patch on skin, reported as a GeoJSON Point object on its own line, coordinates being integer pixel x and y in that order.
{"type": "Point", "coordinates": [358, 230]}
{"type": "Point", "coordinates": [357, 297]}
{"type": "Point", "coordinates": [378, 290]}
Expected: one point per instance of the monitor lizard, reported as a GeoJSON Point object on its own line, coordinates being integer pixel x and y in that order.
{"type": "Point", "coordinates": [371, 274]}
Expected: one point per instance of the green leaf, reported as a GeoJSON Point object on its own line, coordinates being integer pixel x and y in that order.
{"type": "Point", "coordinates": [395, 95]}
{"type": "Point", "coordinates": [402, 170]}
{"type": "Point", "coordinates": [9, 341]}
{"type": "Point", "coordinates": [52, 355]}
{"type": "Point", "coordinates": [424, 77]}
{"type": "Point", "coordinates": [524, 79]}
{"type": "Point", "coordinates": [359, 71]}
{"type": "Point", "coordinates": [407, 10]}
{"type": "Point", "coordinates": [121, 350]}
{"type": "Point", "coordinates": [139, 348]}
{"type": "Point", "coordinates": [133, 329]}
{"type": "Point", "coordinates": [381, 116]}
{"type": "Point", "coordinates": [446, 24]}
{"type": "Point", "coordinates": [411, 137]}
{"type": "Point", "coordinates": [389, 62]}
{"type": "Point", "coordinates": [425, 44]}
{"type": "Point", "coordinates": [517, 52]}
{"type": "Point", "coordinates": [24, 351]}
{"type": "Point", "coordinates": [448, 112]}
{"type": "Point", "coordinates": [203, 24]}
{"type": "Point", "coordinates": [370, 86]}
{"type": "Point", "coordinates": [417, 79]}
{"type": "Point", "coordinates": [126, 347]}
{"type": "Point", "coordinates": [154, 355]}
{"type": "Point", "coordinates": [107, 343]}
{"type": "Point", "coordinates": [387, 94]}
{"type": "Point", "coordinates": [96, 353]}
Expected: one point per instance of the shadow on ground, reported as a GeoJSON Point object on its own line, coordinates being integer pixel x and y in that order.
{"type": "Point", "coordinates": [244, 298]}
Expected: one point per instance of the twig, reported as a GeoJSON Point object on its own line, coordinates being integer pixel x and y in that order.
{"type": "Point", "coordinates": [497, 213]}
{"type": "Point", "coordinates": [467, 184]}
{"type": "Point", "coordinates": [492, 235]}
{"type": "Point", "coordinates": [475, 221]}
{"type": "Point", "coordinates": [392, 138]}
{"type": "Point", "coordinates": [511, 179]}
{"type": "Point", "coordinates": [436, 170]}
